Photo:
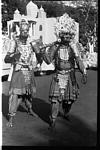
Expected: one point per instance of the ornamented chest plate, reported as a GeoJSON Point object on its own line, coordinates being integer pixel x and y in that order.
{"type": "Point", "coordinates": [25, 51]}
{"type": "Point", "coordinates": [63, 53]}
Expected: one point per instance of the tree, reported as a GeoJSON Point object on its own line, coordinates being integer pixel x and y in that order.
{"type": "Point", "coordinates": [84, 12]}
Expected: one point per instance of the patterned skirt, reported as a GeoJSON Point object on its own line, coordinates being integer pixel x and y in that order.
{"type": "Point", "coordinates": [22, 82]}
{"type": "Point", "coordinates": [64, 87]}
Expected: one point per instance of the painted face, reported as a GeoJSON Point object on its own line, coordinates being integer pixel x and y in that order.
{"type": "Point", "coordinates": [66, 37]}
{"type": "Point", "coordinates": [24, 31]}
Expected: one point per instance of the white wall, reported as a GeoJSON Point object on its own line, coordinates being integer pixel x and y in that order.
{"type": "Point", "coordinates": [39, 21]}
{"type": "Point", "coordinates": [49, 30]}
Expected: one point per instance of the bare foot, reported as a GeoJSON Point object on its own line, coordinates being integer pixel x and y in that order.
{"type": "Point", "coordinates": [51, 124]}
{"type": "Point", "coordinates": [9, 124]}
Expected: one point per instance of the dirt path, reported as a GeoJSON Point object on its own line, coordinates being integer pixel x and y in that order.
{"type": "Point", "coordinates": [29, 131]}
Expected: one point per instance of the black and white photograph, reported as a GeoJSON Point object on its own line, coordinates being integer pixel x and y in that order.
{"type": "Point", "coordinates": [49, 57]}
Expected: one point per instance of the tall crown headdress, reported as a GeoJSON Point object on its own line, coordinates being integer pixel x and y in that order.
{"type": "Point", "coordinates": [24, 22]}
{"type": "Point", "coordinates": [65, 24]}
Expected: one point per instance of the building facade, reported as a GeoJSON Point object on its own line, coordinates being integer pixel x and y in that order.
{"type": "Point", "coordinates": [40, 26]}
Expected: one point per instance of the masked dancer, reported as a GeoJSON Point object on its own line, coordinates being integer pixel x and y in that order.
{"type": "Point", "coordinates": [22, 85]}
{"type": "Point", "coordinates": [65, 53]}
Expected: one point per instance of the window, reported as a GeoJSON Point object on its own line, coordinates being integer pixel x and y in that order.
{"type": "Point", "coordinates": [40, 28]}
{"type": "Point", "coordinates": [41, 38]}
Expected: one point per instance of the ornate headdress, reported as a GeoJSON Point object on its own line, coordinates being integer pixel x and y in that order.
{"type": "Point", "coordinates": [66, 24]}
{"type": "Point", "coordinates": [23, 23]}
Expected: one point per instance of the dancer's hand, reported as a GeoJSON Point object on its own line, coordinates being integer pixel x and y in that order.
{"type": "Point", "coordinates": [84, 78]}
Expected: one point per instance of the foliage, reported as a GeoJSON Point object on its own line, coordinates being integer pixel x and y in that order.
{"type": "Point", "coordinates": [85, 12]}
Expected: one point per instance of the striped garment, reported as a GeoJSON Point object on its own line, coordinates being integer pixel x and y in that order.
{"type": "Point", "coordinates": [62, 88]}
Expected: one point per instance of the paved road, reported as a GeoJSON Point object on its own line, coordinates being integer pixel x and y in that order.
{"type": "Point", "coordinates": [79, 131]}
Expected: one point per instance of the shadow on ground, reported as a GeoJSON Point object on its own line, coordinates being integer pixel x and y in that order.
{"type": "Point", "coordinates": [39, 106]}
{"type": "Point", "coordinates": [75, 132]}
